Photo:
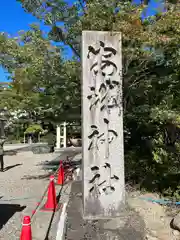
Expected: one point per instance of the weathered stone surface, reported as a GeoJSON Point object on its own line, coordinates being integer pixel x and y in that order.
{"type": "Point", "coordinates": [176, 222]}
{"type": "Point", "coordinates": [175, 232]}
{"type": "Point", "coordinates": [103, 151]}
{"type": "Point", "coordinates": [148, 237]}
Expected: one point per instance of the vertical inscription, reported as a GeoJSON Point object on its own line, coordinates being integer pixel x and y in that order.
{"type": "Point", "coordinates": [103, 160]}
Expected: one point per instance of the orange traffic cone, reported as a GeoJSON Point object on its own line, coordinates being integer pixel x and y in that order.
{"type": "Point", "coordinates": [26, 233]}
{"type": "Point", "coordinates": [60, 180]}
{"type": "Point", "coordinates": [51, 203]}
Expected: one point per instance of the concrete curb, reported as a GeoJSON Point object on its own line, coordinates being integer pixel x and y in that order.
{"type": "Point", "coordinates": [61, 224]}
{"type": "Point", "coordinates": [62, 220]}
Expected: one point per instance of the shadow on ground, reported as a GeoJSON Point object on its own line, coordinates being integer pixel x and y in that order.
{"type": "Point", "coordinates": [52, 166]}
{"type": "Point", "coordinates": [36, 177]}
{"type": "Point", "coordinates": [7, 211]}
{"type": "Point", "coordinates": [10, 152]}
{"type": "Point", "coordinates": [130, 226]}
{"type": "Point", "coordinates": [51, 169]}
{"type": "Point", "coordinates": [12, 166]}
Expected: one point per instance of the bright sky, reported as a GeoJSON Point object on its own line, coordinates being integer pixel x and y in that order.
{"type": "Point", "coordinates": [13, 18]}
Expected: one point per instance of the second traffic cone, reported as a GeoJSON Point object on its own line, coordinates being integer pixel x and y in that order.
{"type": "Point", "coordinates": [51, 203]}
{"type": "Point", "coordinates": [26, 233]}
{"type": "Point", "coordinates": [60, 180]}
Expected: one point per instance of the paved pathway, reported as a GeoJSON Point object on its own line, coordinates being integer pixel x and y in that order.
{"type": "Point", "coordinates": [17, 146]}
{"type": "Point", "coordinates": [21, 187]}
{"type": "Point", "coordinates": [14, 146]}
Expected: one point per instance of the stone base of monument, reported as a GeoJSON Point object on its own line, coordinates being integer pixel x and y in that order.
{"type": "Point", "coordinates": [128, 226]}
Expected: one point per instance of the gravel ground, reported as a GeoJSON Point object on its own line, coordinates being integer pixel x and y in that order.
{"type": "Point", "coordinates": [21, 187]}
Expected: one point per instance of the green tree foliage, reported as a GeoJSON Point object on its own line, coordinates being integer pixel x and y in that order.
{"type": "Point", "coordinates": [35, 128]}
{"type": "Point", "coordinates": [151, 74]}
{"type": "Point", "coordinates": [43, 83]}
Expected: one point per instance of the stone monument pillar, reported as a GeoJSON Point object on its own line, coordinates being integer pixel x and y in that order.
{"type": "Point", "coordinates": [103, 144]}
